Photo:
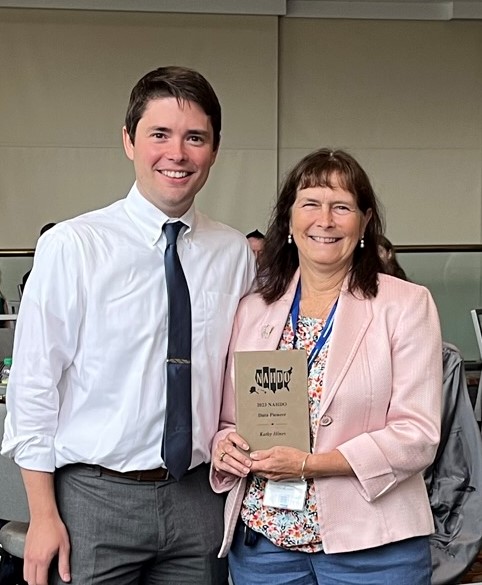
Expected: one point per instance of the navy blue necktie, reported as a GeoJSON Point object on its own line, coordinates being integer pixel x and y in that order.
{"type": "Point", "coordinates": [177, 440]}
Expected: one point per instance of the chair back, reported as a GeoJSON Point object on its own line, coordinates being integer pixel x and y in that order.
{"type": "Point", "coordinates": [13, 499]}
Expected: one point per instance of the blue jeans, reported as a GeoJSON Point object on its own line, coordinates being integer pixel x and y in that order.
{"type": "Point", "coordinates": [407, 562]}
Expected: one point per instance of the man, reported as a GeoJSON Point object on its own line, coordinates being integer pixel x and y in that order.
{"type": "Point", "coordinates": [256, 241]}
{"type": "Point", "coordinates": [89, 393]}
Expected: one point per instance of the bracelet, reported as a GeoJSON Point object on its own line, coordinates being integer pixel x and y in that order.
{"type": "Point", "coordinates": [303, 478]}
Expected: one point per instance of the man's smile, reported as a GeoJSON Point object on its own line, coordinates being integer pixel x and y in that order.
{"type": "Point", "coordinates": [175, 174]}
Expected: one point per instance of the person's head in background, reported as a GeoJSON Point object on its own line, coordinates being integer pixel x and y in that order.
{"type": "Point", "coordinates": [46, 227]}
{"type": "Point", "coordinates": [171, 134]}
{"type": "Point", "coordinates": [256, 241]}
{"type": "Point", "coordinates": [387, 254]}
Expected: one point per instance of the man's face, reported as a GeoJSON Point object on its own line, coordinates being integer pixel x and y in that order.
{"type": "Point", "coordinates": [256, 245]}
{"type": "Point", "coordinates": [172, 153]}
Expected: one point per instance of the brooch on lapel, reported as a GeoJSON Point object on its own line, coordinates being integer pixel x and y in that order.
{"type": "Point", "coordinates": [266, 331]}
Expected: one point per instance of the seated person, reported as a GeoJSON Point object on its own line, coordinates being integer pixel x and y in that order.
{"type": "Point", "coordinates": [4, 310]}
{"type": "Point", "coordinates": [386, 251]}
{"type": "Point", "coordinates": [256, 241]}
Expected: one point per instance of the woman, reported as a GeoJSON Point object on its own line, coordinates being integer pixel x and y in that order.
{"type": "Point", "coordinates": [388, 256]}
{"type": "Point", "coordinates": [374, 396]}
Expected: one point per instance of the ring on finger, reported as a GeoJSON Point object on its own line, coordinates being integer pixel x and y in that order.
{"type": "Point", "coordinates": [222, 456]}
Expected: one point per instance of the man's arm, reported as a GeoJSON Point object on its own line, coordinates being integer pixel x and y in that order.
{"type": "Point", "coordinates": [45, 343]}
{"type": "Point", "coordinates": [47, 535]}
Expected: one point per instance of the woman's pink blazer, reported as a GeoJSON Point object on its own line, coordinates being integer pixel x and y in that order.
{"type": "Point", "coordinates": [381, 408]}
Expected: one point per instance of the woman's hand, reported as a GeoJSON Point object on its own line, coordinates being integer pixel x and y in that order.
{"type": "Point", "coordinates": [278, 463]}
{"type": "Point", "coordinates": [231, 456]}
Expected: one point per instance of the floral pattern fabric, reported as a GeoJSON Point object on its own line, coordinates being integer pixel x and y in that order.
{"type": "Point", "coordinates": [295, 530]}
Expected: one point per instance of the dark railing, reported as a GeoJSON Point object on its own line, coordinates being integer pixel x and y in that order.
{"type": "Point", "coordinates": [9, 252]}
{"type": "Point", "coordinates": [418, 248]}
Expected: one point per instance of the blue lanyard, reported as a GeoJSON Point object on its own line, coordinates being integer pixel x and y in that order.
{"type": "Point", "coordinates": [325, 332]}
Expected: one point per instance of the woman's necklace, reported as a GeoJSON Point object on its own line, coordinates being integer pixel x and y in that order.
{"type": "Point", "coordinates": [310, 302]}
{"type": "Point", "coordinates": [310, 307]}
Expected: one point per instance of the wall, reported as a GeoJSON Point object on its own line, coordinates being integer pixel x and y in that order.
{"type": "Point", "coordinates": [403, 96]}
{"type": "Point", "coordinates": [66, 79]}
{"type": "Point", "coordinates": [406, 99]}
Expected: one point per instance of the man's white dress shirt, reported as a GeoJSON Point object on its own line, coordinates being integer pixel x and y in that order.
{"type": "Point", "coordinates": [89, 362]}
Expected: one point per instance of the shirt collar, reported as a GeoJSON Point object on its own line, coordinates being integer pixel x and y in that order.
{"type": "Point", "coordinates": [150, 219]}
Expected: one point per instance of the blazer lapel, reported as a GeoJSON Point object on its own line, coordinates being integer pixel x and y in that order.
{"type": "Point", "coordinates": [353, 316]}
{"type": "Point", "coordinates": [274, 319]}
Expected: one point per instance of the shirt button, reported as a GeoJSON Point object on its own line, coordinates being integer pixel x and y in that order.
{"type": "Point", "coordinates": [326, 420]}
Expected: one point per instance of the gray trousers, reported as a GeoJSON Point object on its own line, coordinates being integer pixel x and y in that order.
{"type": "Point", "coordinates": [125, 532]}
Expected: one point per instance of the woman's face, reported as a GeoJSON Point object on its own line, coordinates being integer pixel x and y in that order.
{"type": "Point", "coordinates": [327, 225]}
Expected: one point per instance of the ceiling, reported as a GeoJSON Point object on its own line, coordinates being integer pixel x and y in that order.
{"type": "Point", "coordinates": [358, 9]}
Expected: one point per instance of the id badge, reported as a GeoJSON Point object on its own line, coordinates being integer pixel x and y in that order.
{"type": "Point", "coordinates": [289, 494]}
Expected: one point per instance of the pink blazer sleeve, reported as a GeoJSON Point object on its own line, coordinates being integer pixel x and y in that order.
{"type": "Point", "coordinates": [405, 444]}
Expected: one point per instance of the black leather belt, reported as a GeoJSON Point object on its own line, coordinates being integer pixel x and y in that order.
{"type": "Point", "coordinates": [159, 474]}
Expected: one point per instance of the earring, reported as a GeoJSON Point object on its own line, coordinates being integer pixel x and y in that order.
{"type": "Point", "coordinates": [290, 239]}
{"type": "Point", "coordinates": [362, 243]}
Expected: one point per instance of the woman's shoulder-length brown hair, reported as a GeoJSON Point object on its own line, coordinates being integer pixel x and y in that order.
{"type": "Point", "coordinates": [279, 259]}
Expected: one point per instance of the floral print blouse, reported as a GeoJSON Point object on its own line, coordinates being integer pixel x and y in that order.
{"type": "Point", "coordinates": [294, 530]}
